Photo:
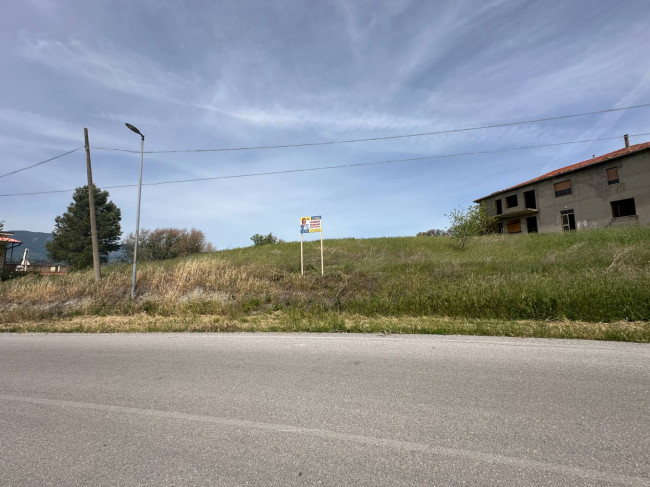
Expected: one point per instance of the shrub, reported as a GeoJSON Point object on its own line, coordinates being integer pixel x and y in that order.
{"type": "Point", "coordinates": [166, 243]}
{"type": "Point", "coordinates": [434, 232]}
{"type": "Point", "coordinates": [470, 223]}
{"type": "Point", "coordinates": [264, 239]}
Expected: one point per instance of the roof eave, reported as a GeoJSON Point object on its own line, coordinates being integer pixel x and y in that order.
{"type": "Point", "coordinates": [561, 173]}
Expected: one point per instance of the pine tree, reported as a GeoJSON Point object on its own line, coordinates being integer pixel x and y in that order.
{"type": "Point", "coordinates": [72, 242]}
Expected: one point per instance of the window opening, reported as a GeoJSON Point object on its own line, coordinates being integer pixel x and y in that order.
{"type": "Point", "coordinates": [529, 198]}
{"type": "Point", "coordinates": [511, 201]}
{"type": "Point", "coordinates": [562, 188]}
{"type": "Point", "coordinates": [623, 208]}
{"type": "Point", "coordinates": [612, 175]}
{"type": "Point", "coordinates": [498, 206]}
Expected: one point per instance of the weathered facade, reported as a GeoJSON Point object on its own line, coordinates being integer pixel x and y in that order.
{"type": "Point", "coordinates": [612, 189]}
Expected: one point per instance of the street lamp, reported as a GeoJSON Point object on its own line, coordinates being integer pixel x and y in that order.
{"type": "Point", "coordinates": [137, 219]}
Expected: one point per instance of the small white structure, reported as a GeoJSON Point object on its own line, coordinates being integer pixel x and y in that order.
{"type": "Point", "coordinates": [24, 264]}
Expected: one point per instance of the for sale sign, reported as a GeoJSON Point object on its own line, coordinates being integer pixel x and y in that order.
{"type": "Point", "coordinates": [310, 224]}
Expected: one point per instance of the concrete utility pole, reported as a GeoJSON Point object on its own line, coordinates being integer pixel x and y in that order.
{"type": "Point", "coordinates": [91, 202]}
{"type": "Point", "coordinates": [137, 219]}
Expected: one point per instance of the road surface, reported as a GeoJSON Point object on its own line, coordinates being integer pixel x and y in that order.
{"type": "Point", "coordinates": [311, 409]}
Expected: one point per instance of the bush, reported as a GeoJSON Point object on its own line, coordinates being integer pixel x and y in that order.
{"type": "Point", "coordinates": [434, 232]}
{"type": "Point", "coordinates": [264, 239]}
{"type": "Point", "coordinates": [470, 223]}
{"type": "Point", "coordinates": [166, 243]}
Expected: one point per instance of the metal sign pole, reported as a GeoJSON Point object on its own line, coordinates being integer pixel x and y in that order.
{"type": "Point", "coordinates": [302, 269]}
{"type": "Point", "coordinates": [322, 265]}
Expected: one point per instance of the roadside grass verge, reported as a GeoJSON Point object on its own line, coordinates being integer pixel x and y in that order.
{"type": "Point", "coordinates": [590, 284]}
{"type": "Point", "coordinates": [341, 323]}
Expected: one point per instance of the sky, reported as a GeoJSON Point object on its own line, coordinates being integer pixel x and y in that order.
{"type": "Point", "coordinates": [200, 75]}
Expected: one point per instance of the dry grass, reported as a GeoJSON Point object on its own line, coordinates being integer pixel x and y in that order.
{"type": "Point", "coordinates": [341, 323]}
{"type": "Point", "coordinates": [527, 285]}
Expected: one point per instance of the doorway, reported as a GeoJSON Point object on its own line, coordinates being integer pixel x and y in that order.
{"type": "Point", "coordinates": [568, 220]}
{"type": "Point", "coordinates": [531, 224]}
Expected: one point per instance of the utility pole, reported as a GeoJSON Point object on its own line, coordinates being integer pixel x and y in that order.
{"type": "Point", "coordinates": [137, 219]}
{"type": "Point", "coordinates": [91, 203]}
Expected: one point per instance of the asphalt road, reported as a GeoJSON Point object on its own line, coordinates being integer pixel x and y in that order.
{"type": "Point", "coordinates": [278, 409]}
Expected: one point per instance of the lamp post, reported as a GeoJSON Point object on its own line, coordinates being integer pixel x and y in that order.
{"type": "Point", "coordinates": [137, 219]}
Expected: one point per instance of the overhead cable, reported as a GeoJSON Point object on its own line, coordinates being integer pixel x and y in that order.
{"type": "Point", "coordinates": [340, 166]}
{"type": "Point", "coordinates": [389, 137]}
{"type": "Point", "coordinates": [350, 141]}
{"type": "Point", "coordinates": [42, 162]}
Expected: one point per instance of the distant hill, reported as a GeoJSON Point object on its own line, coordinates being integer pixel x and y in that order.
{"type": "Point", "coordinates": [35, 242]}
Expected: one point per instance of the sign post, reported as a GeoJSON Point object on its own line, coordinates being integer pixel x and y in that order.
{"type": "Point", "coordinates": [311, 224]}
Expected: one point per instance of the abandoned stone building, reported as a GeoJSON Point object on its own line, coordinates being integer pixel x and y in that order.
{"type": "Point", "coordinates": [611, 189]}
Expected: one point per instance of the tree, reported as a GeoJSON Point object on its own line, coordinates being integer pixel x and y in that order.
{"type": "Point", "coordinates": [470, 223]}
{"type": "Point", "coordinates": [434, 232]}
{"type": "Point", "coordinates": [166, 243]}
{"type": "Point", "coordinates": [72, 242]}
{"type": "Point", "coordinates": [264, 239]}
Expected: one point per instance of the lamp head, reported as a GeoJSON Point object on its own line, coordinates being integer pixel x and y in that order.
{"type": "Point", "coordinates": [135, 129]}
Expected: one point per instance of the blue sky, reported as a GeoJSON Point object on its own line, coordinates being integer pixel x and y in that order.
{"type": "Point", "coordinates": [228, 74]}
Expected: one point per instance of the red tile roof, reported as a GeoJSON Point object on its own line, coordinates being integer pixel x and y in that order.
{"type": "Point", "coordinates": [9, 240]}
{"type": "Point", "coordinates": [580, 165]}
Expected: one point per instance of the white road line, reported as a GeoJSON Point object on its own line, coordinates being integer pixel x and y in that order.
{"type": "Point", "coordinates": [566, 470]}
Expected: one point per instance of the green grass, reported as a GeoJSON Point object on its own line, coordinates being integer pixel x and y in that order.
{"type": "Point", "coordinates": [521, 285]}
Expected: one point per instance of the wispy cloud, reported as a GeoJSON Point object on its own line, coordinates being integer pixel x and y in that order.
{"type": "Point", "coordinates": [118, 70]}
{"type": "Point", "coordinates": [333, 119]}
{"type": "Point", "coordinates": [43, 126]}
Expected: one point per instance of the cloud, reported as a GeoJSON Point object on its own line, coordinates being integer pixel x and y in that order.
{"type": "Point", "coordinates": [43, 126]}
{"type": "Point", "coordinates": [333, 119]}
{"type": "Point", "coordinates": [119, 70]}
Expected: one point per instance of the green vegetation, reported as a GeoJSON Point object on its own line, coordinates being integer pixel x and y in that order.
{"type": "Point", "coordinates": [464, 225]}
{"type": "Point", "coordinates": [259, 239]}
{"type": "Point", "coordinates": [434, 232]}
{"type": "Point", "coordinates": [590, 284]}
{"type": "Point", "coordinates": [72, 241]}
{"type": "Point", "coordinates": [165, 243]}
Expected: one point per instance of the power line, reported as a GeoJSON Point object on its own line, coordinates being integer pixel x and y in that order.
{"type": "Point", "coordinates": [350, 141]}
{"type": "Point", "coordinates": [42, 162]}
{"type": "Point", "coordinates": [372, 139]}
{"type": "Point", "coordinates": [341, 166]}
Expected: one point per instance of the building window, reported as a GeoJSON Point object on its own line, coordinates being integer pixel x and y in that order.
{"type": "Point", "coordinates": [514, 226]}
{"type": "Point", "coordinates": [562, 188]}
{"type": "Point", "coordinates": [511, 201]}
{"type": "Point", "coordinates": [623, 208]}
{"type": "Point", "coordinates": [499, 208]}
{"type": "Point", "coordinates": [612, 175]}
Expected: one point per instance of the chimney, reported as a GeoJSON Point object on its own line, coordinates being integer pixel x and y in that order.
{"type": "Point", "coordinates": [627, 141]}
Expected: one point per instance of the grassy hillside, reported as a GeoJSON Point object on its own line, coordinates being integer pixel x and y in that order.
{"type": "Point", "coordinates": [592, 284]}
